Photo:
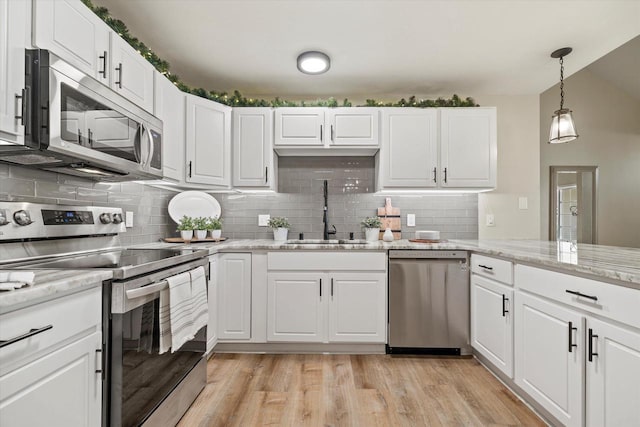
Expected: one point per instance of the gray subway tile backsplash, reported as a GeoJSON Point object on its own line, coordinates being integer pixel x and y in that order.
{"type": "Point", "coordinates": [351, 198]}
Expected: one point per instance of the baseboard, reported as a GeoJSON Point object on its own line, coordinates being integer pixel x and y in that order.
{"type": "Point", "coordinates": [299, 348]}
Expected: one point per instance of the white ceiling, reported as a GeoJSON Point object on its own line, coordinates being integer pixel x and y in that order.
{"type": "Point", "coordinates": [379, 48]}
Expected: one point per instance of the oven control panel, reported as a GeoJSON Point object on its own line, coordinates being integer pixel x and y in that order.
{"type": "Point", "coordinates": [20, 221]}
{"type": "Point", "coordinates": [64, 217]}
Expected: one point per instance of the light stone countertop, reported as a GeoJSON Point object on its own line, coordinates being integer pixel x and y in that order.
{"type": "Point", "coordinates": [50, 284]}
{"type": "Point", "coordinates": [618, 264]}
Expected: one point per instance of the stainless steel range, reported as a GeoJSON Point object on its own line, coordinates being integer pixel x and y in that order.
{"type": "Point", "coordinates": [140, 385]}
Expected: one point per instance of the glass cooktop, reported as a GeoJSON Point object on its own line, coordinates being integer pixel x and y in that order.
{"type": "Point", "coordinates": [114, 259]}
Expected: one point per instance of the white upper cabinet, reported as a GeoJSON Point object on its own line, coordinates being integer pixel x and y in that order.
{"type": "Point", "coordinates": [352, 126]}
{"type": "Point", "coordinates": [14, 27]}
{"type": "Point", "coordinates": [169, 106]}
{"type": "Point", "coordinates": [468, 147]}
{"type": "Point", "coordinates": [325, 128]}
{"type": "Point", "coordinates": [299, 126]}
{"type": "Point", "coordinates": [72, 31]}
{"type": "Point", "coordinates": [409, 151]}
{"type": "Point", "coordinates": [208, 142]}
{"type": "Point", "coordinates": [253, 148]}
{"type": "Point", "coordinates": [132, 74]}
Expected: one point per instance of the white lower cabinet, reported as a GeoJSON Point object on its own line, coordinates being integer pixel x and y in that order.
{"type": "Point", "coordinates": [326, 307]}
{"type": "Point", "coordinates": [63, 388]}
{"type": "Point", "coordinates": [295, 307]}
{"type": "Point", "coordinates": [357, 307]}
{"type": "Point", "coordinates": [234, 296]}
{"type": "Point", "coordinates": [492, 322]}
{"type": "Point", "coordinates": [549, 349]}
{"type": "Point", "coordinates": [212, 300]}
{"type": "Point", "coordinates": [613, 375]}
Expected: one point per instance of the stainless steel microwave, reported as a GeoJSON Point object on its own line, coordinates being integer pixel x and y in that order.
{"type": "Point", "coordinates": [77, 126]}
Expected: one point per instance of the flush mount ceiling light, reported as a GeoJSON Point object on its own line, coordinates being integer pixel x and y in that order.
{"type": "Point", "coordinates": [563, 129]}
{"type": "Point", "coordinates": [313, 62]}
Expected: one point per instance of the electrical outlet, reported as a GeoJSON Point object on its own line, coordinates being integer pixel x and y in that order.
{"type": "Point", "coordinates": [128, 219]}
{"type": "Point", "coordinates": [411, 220]}
{"type": "Point", "coordinates": [263, 220]}
{"type": "Point", "coordinates": [523, 203]}
{"type": "Point", "coordinates": [490, 220]}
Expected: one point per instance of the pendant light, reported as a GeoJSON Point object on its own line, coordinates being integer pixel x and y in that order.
{"type": "Point", "coordinates": [563, 129]}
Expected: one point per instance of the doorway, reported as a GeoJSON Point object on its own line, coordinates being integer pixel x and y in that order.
{"type": "Point", "coordinates": [572, 213]}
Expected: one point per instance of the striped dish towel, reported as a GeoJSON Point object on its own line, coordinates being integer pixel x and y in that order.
{"type": "Point", "coordinates": [199, 295]}
{"type": "Point", "coordinates": [176, 313]}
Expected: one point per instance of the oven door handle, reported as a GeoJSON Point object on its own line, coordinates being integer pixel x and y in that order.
{"type": "Point", "coordinates": [147, 290]}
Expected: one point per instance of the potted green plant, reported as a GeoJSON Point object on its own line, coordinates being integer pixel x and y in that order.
{"type": "Point", "coordinates": [280, 227]}
{"type": "Point", "coordinates": [371, 227]}
{"type": "Point", "coordinates": [185, 227]}
{"type": "Point", "coordinates": [200, 227]}
{"type": "Point", "coordinates": [214, 225]}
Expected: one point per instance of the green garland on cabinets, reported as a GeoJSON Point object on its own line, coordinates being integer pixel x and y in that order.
{"type": "Point", "coordinates": [237, 100]}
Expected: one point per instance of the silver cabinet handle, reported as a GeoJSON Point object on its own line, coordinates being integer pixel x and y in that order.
{"type": "Point", "coordinates": [119, 70]}
{"type": "Point", "coordinates": [24, 336]}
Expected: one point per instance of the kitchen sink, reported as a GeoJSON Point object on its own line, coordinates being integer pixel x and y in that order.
{"type": "Point", "coordinates": [326, 242]}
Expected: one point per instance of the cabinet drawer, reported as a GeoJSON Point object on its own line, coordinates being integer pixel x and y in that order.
{"type": "Point", "coordinates": [609, 300]}
{"type": "Point", "coordinates": [497, 269]}
{"type": "Point", "coordinates": [339, 260]}
{"type": "Point", "coordinates": [70, 318]}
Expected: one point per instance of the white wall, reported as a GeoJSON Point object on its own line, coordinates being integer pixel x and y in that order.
{"type": "Point", "coordinates": [518, 170]}
{"type": "Point", "coordinates": [608, 124]}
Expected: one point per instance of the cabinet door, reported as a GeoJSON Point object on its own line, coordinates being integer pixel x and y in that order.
{"type": "Point", "coordinates": [208, 142]}
{"type": "Point", "coordinates": [408, 155]}
{"type": "Point", "coordinates": [252, 147]}
{"type": "Point", "coordinates": [357, 307]}
{"type": "Point", "coordinates": [492, 322]}
{"type": "Point", "coordinates": [169, 106]}
{"type": "Point", "coordinates": [295, 307]}
{"type": "Point", "coordinates": [132, 74]}
{"type": "Point", "coordinates": [14, 27]}
{"type": "Point", "coordinates": [353, 126]}
{"type": "Point", "coordinates": [468, 147]}
{"type": "Point", "coordinates": [234, 297]}
{"type": "Point", "coordinates": [613, 375]}
{"type": "Point", "coordinates": [549, 356]}
{"type": "Point", "coordinates": [63, 388]}
{"type": "Point", "coordinates": [299, 126]}
{"type": "Point", "coordinates": [212, 298]}
{"type": "Point", "coordinates": [73, 32]}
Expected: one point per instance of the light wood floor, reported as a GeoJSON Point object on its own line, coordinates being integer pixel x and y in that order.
{"type": "Point", "coordinates": [348, 390]}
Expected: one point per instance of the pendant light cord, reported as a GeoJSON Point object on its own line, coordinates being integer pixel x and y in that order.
{"type": "Point", "coordinates": [561, 82]}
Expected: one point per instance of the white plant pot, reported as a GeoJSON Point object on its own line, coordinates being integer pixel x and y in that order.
{"type": "Point", "coordinates": [215, 234]}
{"type": "Point", "coordinates": [186, 234]}
{"type": "Point", "coordinates": [280, 234]}
{"type": "Point", "coordinates": [201, 234]}
{"type": "Point", "coordinates": [388, 235]}
{"type": "Point", "coordinates": [371, 234]}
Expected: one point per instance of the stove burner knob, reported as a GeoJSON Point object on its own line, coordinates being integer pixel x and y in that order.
{"type": "Point", "coordinates": [117, 218]}
{"type": "Point", "coordinates": [22, 217]}
{"type": "Point", "coordinates": [3, 217]}
{"type": "Point", "coordinates": [105, 218]}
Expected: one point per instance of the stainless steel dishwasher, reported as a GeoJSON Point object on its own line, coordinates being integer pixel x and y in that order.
{"type": "Point", "coordinates": [428, 302]}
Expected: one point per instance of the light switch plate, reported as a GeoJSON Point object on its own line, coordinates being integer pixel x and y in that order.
{"type": "Point", "coordinates": [263, 220]}
{"type": "Point", "coordinates": [128, 219]}
{"type": "Point", "coordinates": [411, 220]}
{"type": "Point", "coordinates": [523, 203]}
{"type": "Point", "coordinates": [491, 220]}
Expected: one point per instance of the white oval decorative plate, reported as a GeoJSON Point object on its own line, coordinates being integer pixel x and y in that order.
{"type": "Point", "coordinates": [194, 204]}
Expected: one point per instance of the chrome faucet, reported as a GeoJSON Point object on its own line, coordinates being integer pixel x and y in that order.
{"type": "Point", "coordinates": [325, 214]}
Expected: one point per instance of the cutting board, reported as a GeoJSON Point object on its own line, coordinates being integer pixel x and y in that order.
{"type": "Point", "coordinates": [390, 218]}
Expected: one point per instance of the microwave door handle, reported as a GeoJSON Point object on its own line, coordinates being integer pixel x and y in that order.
{"type": "Point", "coordinates": [137, 143]}
{"type": "Point", "coordinates": [151, 147]}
